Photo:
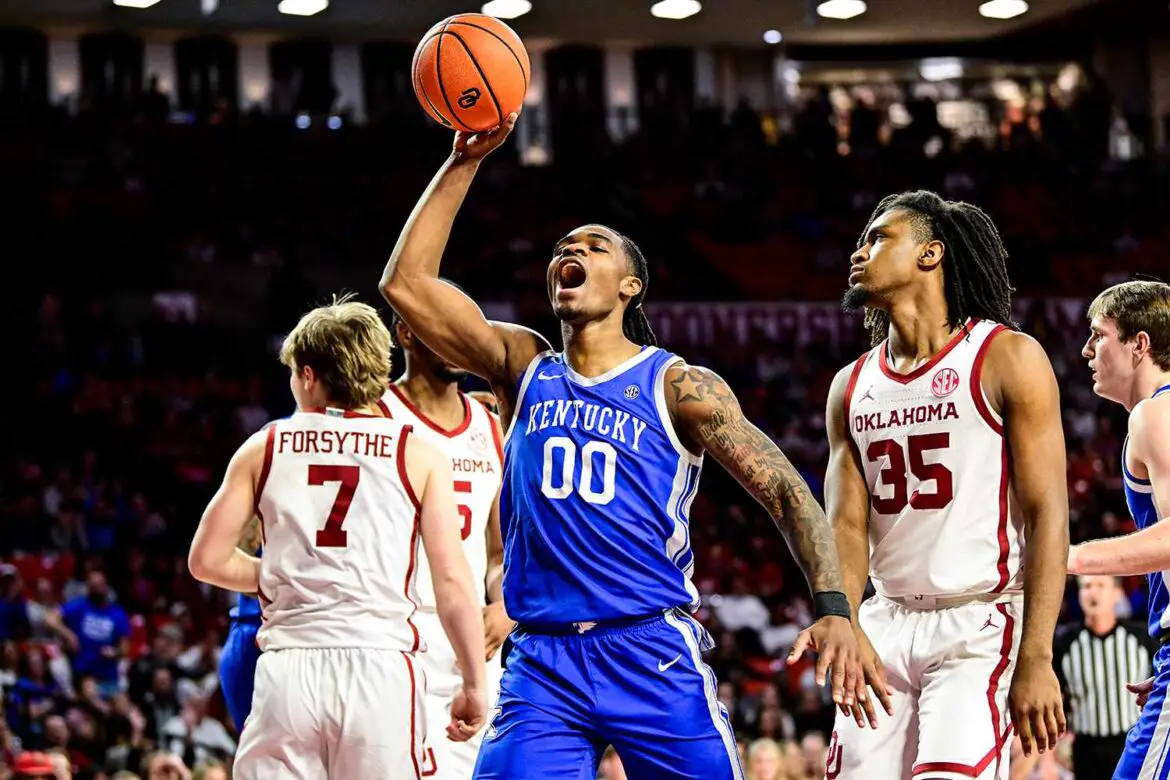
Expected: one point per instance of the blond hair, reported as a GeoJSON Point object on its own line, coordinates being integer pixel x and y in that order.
{"type": "Point", "coordinates": [348, 347]}
{"type": "Point", "coordinates": [1135, 307]}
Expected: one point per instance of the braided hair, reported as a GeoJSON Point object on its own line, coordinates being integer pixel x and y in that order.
{"type": "Point", "coordinates": [635, 325]}
{"type": "Point", "coordinates": [975, 278]}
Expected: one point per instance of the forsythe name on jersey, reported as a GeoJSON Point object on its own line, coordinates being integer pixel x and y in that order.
{"type": "Point", "coordinates": [328, 442]}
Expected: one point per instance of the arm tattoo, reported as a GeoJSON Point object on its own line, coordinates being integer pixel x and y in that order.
{"type": "Point", "coordinates": [708, 411]}
{"type": "Point", "coordinates": [252, 537]}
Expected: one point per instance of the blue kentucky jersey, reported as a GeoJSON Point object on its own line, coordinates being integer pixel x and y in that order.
{"type": "Point", "coordinates": [595, 496]}
{"type": "Point", "coordinates": [1139, 495]}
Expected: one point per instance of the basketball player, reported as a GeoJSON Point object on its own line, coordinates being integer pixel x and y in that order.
{"type": "Point", "coordinates": [946, 485]}
{"type": "Point", "coordinates": [427, 398]}
{"type": "Point", "coordinates": [237, 661]}
{"type": "Point", "coordinates": [602, 459]}
{"type": "Point", "coordinates": [1129, 353]}
{"type": "Point", "coordinates": [342, 494]}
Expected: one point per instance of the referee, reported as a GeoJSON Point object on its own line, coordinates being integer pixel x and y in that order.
{"type": "Point", "coordinates": [1094, 660]}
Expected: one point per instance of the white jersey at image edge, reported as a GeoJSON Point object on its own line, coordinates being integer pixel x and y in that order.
{"type": "Point", "coordinates": [477, 468]}
{"type": "Point", "coordinates": [943, 520]}
{"type": "Point", "coordinates": [341, 534]}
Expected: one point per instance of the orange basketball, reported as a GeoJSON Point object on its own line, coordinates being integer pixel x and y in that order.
{"type": "Point", "coordinates": [470, 71]}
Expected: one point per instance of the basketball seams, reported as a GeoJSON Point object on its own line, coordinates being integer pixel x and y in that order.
{"type": "Point", "coordinates": [420, 91]}
{"type": "Point", "coordinates": [508, 46]}
{"type": "Point", "coordinates": [483, 76]}
{"type": "Point", "coordinates": [439, 74]}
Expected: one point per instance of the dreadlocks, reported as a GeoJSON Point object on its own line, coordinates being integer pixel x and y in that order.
{"type": "Point", "coordinates": [635, 325]}
{"type": "Point", "coordinates": [975, 279]}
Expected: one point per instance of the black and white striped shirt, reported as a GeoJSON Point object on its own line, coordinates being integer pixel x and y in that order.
{"type": "Point", "coordinates": [1093, 671]}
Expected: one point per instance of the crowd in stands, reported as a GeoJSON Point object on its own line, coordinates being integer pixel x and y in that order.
{"type": "Point", "coordinates": [127, 405]}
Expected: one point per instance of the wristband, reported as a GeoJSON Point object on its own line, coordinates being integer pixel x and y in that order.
{"type": "Point", "coordinates": [831, 603]}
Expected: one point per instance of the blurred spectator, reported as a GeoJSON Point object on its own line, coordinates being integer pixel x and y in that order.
{"type": "Point", "coordinates": [195, 735]}
{"type": "Point", "coordinates": [14, 622]}
{"type": "Point", "coordinates": [211, 770]}
{"type": "Point", "coordinates": [97, 632]}
{"type": "Point", "coordinates": [765, 761]}
{"type": "Point", "coordinates": [161, 765]}
{"type": "Point", "coordinates": [815, 751]}
{"type": "Point", "coordinates": [43, 603]}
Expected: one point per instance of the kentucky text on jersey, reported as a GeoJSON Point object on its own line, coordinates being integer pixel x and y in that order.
{"type": "Point", "coordinates": [596, 495]}
{"type": "Point", "coordinates": [371, 445]}
{"type": "Point", "coordinates": [606, 420]}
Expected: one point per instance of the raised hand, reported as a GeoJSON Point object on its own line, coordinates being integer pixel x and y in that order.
{"type": "Point", "coordinates": [476, 146]}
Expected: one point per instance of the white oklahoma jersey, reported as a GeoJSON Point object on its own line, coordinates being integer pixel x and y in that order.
{"type": "Point", "coordinates": [477, 458]}
{"type": "Point", "coordinates": [337, 583]}
{"type": "Point", "coordinates": [945, 560]}
{"type": "Point", "coordinates": [942, 519]}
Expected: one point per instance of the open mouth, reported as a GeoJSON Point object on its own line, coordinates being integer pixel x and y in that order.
{"type": "Point", "coordinates": [570, 274]}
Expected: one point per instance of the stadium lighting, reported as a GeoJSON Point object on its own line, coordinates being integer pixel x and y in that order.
{"type": "Point", "coordinates": [841, 9]}
{"type": "Point", "coordinates": [506, 9]}
{"type": "Point", "coordinates": [772, 36]}
{"type": "Point", "coordinates": [1003, 9]}
{"type": "Point", "coordinates": [135, 3]}
{"type": "Point", "coordinates": [302, 7]}
{"type": "Point", "coordinates": [675, 9]}
{"type": "Point", "coordinates": [941, 69]}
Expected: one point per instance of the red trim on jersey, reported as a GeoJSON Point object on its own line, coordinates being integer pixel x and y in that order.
{"type": "Point", "coordinates": [414, 534]}
{"type": "Point", "coordinates": [1002, 528]}
{"type": "Point", "coordinates": [430, 765]}
{"type": "Point", "coordinates": [269, 446]}
{"type": "Point", "coordinates": [384, 409]}
{"type": "Point", "coordinates": [934, 361]}
{"type": "Point", "coordinates": [977, 381]}
{"type": "Point", "coordinates": [413, 710]}
{"type": "Point", "coordinates": [497, 437]}
{"type": "Point", "coordinates": [858, 366]}
{"type": "Point", "coordinates": [995, 754]}
{"type": "Point", "coordinates": [427, 421]}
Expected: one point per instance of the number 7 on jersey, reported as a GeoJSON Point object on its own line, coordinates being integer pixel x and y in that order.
{"type": "Point", "coordinates": [333, 535]}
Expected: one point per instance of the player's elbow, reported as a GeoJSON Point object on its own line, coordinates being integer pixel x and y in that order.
{"type": "Point", "coordinates": [200, 564]}
{"type": "Point", "coordinates": [395, 285]}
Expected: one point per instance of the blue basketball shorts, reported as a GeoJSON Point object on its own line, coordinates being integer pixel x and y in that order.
{"type": "Point", "coordinates": [640, 686]}
{"type": "Point", "coordinates": [1147, 746]}
{"type": "Point", "coordinates": [237, 668]}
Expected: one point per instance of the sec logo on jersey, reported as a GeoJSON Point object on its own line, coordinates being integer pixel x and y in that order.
{"type": "Point", "coordinates": [478, 442]}
{"type": "Point", "coordinates": [945, 382]}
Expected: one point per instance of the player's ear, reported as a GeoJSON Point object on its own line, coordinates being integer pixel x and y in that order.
{"type": "Point", "coordinates": [1140, 344]}
{"type": "Point", "coordinates": [402, 336]}
{"type": "Point", "coordinates": [630, 286]}
{"type": "Point", "coordinates": [931, 255]}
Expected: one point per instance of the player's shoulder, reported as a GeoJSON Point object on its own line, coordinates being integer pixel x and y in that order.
{"type": "Point", "coordinates": [1007, 347]}
{"type": "Point", "coordinates": [1150, 420]}
{"type": "Point", "coordinates": [686, 384]}
{"type": "Point", "coordinates": [521, 346]}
